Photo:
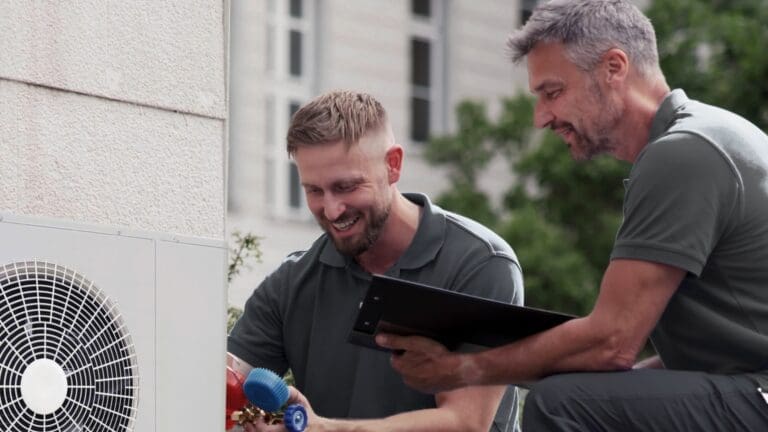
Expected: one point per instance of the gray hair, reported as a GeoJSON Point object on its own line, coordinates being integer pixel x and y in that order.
{"type": "Point", "coordinates": [588, 29]}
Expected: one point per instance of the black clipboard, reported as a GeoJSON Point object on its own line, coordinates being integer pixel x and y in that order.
{"type": "Point", "coordinates": [459, 321]}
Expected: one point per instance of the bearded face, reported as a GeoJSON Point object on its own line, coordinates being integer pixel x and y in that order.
{"type": "Point", "coordinates": [572, 103]}
{"type": "Point", "coordinates": [347, 191]}
{"type": "Point", "coordinates": [588, 134]}
{"type": "Point", "coordinates": [356, 230]}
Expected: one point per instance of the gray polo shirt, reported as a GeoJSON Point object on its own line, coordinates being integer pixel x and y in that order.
{"type": "Point", "coordinates": [301, 314]}
{"type": "Point", "coordinates": [697, 199]}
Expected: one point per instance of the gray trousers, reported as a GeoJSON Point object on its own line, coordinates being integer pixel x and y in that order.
{"type": "Point", "coordinates": [645, 400]}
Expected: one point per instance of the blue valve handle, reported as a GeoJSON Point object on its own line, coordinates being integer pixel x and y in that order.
{"type": "Point", "coordinates": [265, 389]}
{"type": "Point", "coordinates": [268, 391]}
{"type": "Point", "coordinates": [295, 418]}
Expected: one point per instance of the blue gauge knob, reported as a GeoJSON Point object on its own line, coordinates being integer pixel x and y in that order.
{"type": "Point", "coordinates": [265, 389]}
{"type": "Point", "coordinates": [295, 418]}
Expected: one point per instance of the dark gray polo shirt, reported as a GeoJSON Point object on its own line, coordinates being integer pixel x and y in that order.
{"type": "Point", "coordinates": [697, 199]}
{"type": "Point", "coordinates": [300, 315]}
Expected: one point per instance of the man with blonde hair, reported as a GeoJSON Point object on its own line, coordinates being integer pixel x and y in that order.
{"type": "Point", "coordinates": [301, 315]}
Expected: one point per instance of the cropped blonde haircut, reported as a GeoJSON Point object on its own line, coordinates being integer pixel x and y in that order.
{"type": "Point", "coordinates": [335, 116]}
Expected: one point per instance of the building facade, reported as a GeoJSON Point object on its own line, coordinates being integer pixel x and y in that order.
{"type": "Point", "coordinates": [114, 113]}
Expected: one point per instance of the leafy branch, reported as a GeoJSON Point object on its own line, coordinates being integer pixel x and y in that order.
{"type": "Point", "coordinates": [246, 248]}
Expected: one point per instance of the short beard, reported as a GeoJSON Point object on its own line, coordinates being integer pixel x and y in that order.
{"type": "Point", "coordinates": [356, 246]}
{"type": "Point", "coordinates": [601, 142]}
{"type": "Point", "coordinates": [592, 148]}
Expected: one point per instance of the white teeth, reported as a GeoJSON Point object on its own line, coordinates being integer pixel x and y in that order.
{"type": "Point", "coordinates": [341, 226]}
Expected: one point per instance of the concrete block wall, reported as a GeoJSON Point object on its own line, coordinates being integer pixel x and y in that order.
{"type": "Point", "coordinates": [114, 112]}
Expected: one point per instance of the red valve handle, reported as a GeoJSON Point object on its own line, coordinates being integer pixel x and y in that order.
{"type": "Point", "coordinates": [236, 399]}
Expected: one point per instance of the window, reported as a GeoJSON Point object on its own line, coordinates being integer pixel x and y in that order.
{"type": "Point", "coordinates": [420, 62]}
{"type": "Point", "coordinates": [269, 121]}
{"type": "Point", "coordinates": [269, 177]}
{"type": "Point", "coordinates": [294, 184]}
{"type": "Point", "coordinates": [419, 119]}
{"type": "Point", "coordinates": [294, 66]}
{"type": "Point", "coordinates": [421, 79]}
{"type": "Point", "coordinates": [292, 108]}
{"type": "Point", "coordinates": [422, 8]}
{"type": "Point", "coordinates": [420, 89]}
{"type": "Point", "coordinates": [428, 114]}
{"type": "Point", "coordinates": [296, 8]}
{"type": "Point", "coordinates": [526, 9]}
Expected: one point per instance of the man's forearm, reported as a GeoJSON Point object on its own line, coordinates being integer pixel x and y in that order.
{"type": "Point", "coordinates": [470, 409]}
{"type": "Point", "coordinates": [568, 347]}
{"type": "Point", "coordinates": [426, 420]}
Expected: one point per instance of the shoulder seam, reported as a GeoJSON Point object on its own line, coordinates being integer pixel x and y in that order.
{"type": "Point", "coordinates": [451, 218]}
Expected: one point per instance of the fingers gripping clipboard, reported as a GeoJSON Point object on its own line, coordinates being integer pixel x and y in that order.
{"type": "Point", "coordinates": [459, 321]}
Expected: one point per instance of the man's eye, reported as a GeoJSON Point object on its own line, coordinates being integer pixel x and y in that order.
{"type": "Point", "coordinates": [346, 187]}
{"type": "Point", "coordinates": [552, 94]}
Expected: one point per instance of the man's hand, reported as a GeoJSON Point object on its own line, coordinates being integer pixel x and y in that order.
{"type": "Point", "coordinates": [294, 397]}
{"type": "Point", "coordinates": [427, 365]}
{"type": "Point", "coordinates": [467, 409]}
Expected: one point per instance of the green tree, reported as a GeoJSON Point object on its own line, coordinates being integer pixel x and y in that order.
{"type": "Point", "coordinates": [556, 275]}
{"type": "Point", "coordinates": [714, 49]}
{"type": "Point", "coordinates": [242, 254]}
{"type": "Point", "coordinates": [465, 153]}
{"type": "Point", "coordinates": [583, 198]}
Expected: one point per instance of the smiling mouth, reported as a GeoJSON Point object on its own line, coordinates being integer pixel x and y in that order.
{"type": "Point", "coordinates": [564, 131]}
{"type": "Point", "coordinates": [345, 224]}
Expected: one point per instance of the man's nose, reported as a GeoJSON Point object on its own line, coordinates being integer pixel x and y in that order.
{"type": "Point", "coordinates": [333, 207]}
{"type": "Point", "coordinates": [542, 117]}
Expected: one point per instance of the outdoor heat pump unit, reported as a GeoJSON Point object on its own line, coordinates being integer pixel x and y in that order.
{"type": "Point", "coordinates": [107, 329]}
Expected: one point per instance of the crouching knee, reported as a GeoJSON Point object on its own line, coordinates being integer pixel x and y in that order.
{"type": "Point", "coordinates": [552, 405]}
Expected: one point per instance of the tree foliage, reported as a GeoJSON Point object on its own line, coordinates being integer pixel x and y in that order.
{"type": "Point", "coordinates": [245, 251]}
{"type": "Point", "coordinates": [561, 216]}
{"type": "Point", "coordinates": [715, 50]}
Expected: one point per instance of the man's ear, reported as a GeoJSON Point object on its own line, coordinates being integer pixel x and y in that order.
{"type": "Point", "coordinates": [394, 160]}
{"type": "Point", "coordinates": [616, 66]}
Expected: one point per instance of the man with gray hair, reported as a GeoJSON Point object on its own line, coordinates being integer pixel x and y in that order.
{"type": "Point", "coordinates": [689, 266]}
{"type": "Point", "coordinates": [301, 315]}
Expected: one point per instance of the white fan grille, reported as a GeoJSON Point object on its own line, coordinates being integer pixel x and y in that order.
{"type": "Point", "coordinates": [53, 315]}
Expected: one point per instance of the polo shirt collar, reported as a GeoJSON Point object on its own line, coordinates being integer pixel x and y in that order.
{"type": "Point", "coordinates": [423, 249]}
{"type": "Point", "coordinates": [665, 115]}
{"type": "Point", "coordinates": [429, 236]}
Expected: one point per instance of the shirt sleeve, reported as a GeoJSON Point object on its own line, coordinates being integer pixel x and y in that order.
{"type": "Point", "coordinates": [678, 200]}
{"type": "Point", "coordinates": [497, 278]}
{"type": "Point", "coordinates": [257, 337]}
